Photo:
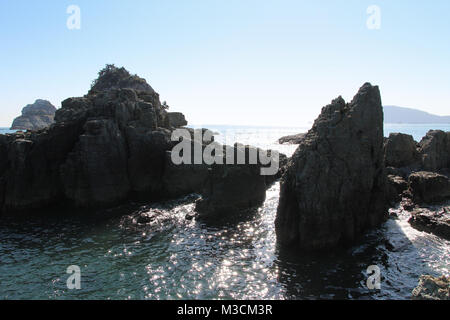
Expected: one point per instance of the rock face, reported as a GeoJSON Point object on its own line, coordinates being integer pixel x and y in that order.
{"type": "Point", "coordinates": [429, 187]}
{"type": "Point", "coordinates": [177, 119]}
{"type": "Point", "coordinates": [36, 116]}
{"type": "Point", "coordinates": [335, 183]}
{"type": "Point", "coordinates": [437, 223]}
{"type": "Point", "coordinates": [435, 150]}
{"type": "Point", "coordinates": [105, 147]}
{"type": "Point", "coordinates": [293, 139]}
{"type": "Point", "coordinates": [401, 150]}
{"type": "Point", "coordinates": [232, 188]}
{"type": "Point", "coordinates": [395, 187]}
{"type": "Point", "coordinates": [431, 288]}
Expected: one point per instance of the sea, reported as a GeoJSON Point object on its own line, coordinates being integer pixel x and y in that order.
{"type": "Point", "coordinates": [176, 258]}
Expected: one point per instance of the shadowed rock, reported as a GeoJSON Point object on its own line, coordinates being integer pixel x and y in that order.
{"type": "Point", "coordinates": [434, 149]}
{"type": "Point", "coordinates": [429, 187]}
{"type": "Point", "coordinates": [335, 183]}
{"type": "Point", "coordinates": [36, 116]}
{"type": "Point", "coordinates": [103, 148]}
{"type": "Point", "coordinates": [401, 150]}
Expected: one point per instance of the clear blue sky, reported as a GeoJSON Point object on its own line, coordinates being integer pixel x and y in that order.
{"type": "Point", "coordinates": [230, 61]}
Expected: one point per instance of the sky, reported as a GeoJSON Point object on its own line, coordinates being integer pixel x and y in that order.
{"type": "Point", "coordinates": [242, 62]}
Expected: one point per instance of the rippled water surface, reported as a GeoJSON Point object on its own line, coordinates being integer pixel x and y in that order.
{"type": "Point", "coordinates": [176, 258]}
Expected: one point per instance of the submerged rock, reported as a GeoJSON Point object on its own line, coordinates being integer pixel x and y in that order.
{"type": "Point", "coordinates": [335, 183]}
{"type": "Point", "coordinates": [293, 139]}
{"type": "Point", "coordinates": [36, 116]}
{"type": "Point", "coordinates": [432, 288]}
{"type": "Point", "coordinates": [429, 187]}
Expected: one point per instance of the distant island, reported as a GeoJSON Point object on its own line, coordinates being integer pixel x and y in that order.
{"type": "Point", "coordinates": [394, 114]}
{"type": "Point", "coordinates": [38, 115]}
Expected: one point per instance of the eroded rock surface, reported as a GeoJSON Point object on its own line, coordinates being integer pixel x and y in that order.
{"type": "Point", "coordinates": [335, 183]}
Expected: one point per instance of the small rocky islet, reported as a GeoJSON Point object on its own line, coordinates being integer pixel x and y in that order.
{"type": "Point", "coordinates": [35, 116]}
{"type": "Point", "coordinates": [114, 145]}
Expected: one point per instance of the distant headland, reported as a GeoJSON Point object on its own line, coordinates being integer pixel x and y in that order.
{"type": "Point", "coordinates": [394, 114]}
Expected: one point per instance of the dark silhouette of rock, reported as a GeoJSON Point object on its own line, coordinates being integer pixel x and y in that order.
{"type": "Point", "coordinates": [177, 119]}
{"type": "Point", "coordinates": [233, 188]}
{"type": "Point", "coordinates": [293, 139]}
{"type": "Point", "coordinates": [36, 116]}
{"type": "Point", "coordinates": [103, 148]}
{"type": "Point", "coordinates": [432, 288]}
{"type": "Point", "coordinates": [335, 183]}
{"type": "Point", "coordinates": [401, 150]}
{"type": "Point", "coordinates": [435, 150]}
{"type": "Point", "coordinates": [435, 222]}
{"type": "Point", "coordinates": [396, 186]}
{"type": "Point", "coordinates": [429, 187]}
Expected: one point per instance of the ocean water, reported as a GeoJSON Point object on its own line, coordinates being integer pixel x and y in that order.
{"type": "Point", "coordinates": [175, 258]}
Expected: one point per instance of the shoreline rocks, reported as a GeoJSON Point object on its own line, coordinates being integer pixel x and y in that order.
{"type": "Point", "coordinates": [432, 221]}
{"type": "Point", "coordinates": [432, 288]}
{"type": "Point", "coordinates": [335, 183]}
{"type": "Point", "coordinates": [104, 148]}
{"type": "Point", "coordinates": [36, 116]}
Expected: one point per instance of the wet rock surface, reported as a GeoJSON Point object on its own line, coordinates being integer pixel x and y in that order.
{"type": "Point", "coordinates": [335, 183]}
{"type": "Point", "coordinates": [36, 116]}
{"type": "Point", "coordinates": [432, 288]}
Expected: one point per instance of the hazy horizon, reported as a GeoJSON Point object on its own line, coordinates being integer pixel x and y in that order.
{"type": "Point", "coordinates": [235, 62]}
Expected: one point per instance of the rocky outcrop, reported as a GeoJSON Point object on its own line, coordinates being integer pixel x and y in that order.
{"type": "Point", "coordinates": [176, 119]}
{"type": "Point", "coordinates": [293, 139]}
{"type": "Point", "coordinates": [103, 148]}
{"type": "Point", "coordinates": [335, 183]}
{"type": "Point", "coordinates": [35, 116]}
{"type": "Point", "coordinates": [429, 187]}
{"type": "Point", "coordinates": [432, 288]}
{"type": "Point", "coordinates": [431, 221]}
{"type": "Point", "coordinates": [401, 150]}
{"type": "Point", "coordinates": [435, 150]}
{"type": "Point", "coordinates": [233, 188]}
{"type": "Point", "coordinates": [396, 186]}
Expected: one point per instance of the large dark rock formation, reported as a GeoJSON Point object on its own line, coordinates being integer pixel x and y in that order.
{"type": "Point", "coordinates": [35, 116]}
{"type": "Point", "coordinates": [105, 147]}
{"type": "Point", "coordinates": [335, 183]}
{"type": "Point", "coordinates": [112, 145]}
{"type": "Point", "coordinates": [232, 188]}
